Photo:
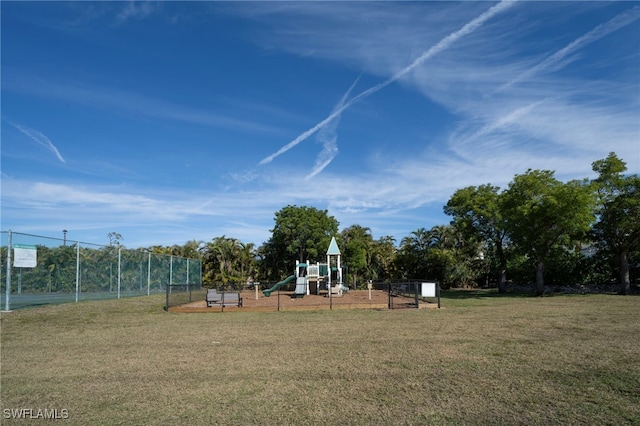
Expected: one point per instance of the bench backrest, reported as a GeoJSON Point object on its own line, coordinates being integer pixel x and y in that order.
{"type": "Point", "coordinates": [228, 296]}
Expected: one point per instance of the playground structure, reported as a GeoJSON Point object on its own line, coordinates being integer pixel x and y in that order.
{"type": "Point", "coordinates": [316, 278]}
{"type": "Point", "coordinates": [322, 283]}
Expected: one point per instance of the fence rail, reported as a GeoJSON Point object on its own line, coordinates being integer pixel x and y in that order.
{"type": "Point", "coordinates": [417, 291]}
{"type": "Point", "coordinates": [406, 294]}
{"type": "Point", "coordinates": [39, 270]}
{"type": "Point", "coordinates": [182, 294]}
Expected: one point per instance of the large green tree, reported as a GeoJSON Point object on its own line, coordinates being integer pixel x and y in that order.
{"type": "Point", "coordinates": [228, 260]}
{"type": "Point", "coordinates": [382, 259]}
{"type": "Point", "coordinates": [476, 213]}
{"type": "Point", "coordinates": [357, 244]}
{"type": "Point", "coordinates": [412, 254]}
{"type": "Point", "coordinates": [300, 233]}
{"type": "Point", "coordinates": [618, 228]}
{"type": "Point", "coordinates": [542, 214]}
{"type": "Point", "coordinates": [441, 252]}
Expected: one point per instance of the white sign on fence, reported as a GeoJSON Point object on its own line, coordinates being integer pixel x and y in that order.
{"type": "Point", "coordinates": [25, 256]}
{"type": "Point", "coordinates": [428, 290]}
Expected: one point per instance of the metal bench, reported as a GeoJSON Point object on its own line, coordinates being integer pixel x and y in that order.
{"type": "Point", "coordinates": [223, 299]}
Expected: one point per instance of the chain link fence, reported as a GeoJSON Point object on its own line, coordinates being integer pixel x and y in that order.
{"type": "Point", "coordinates": [38, 270]}
{"type": "Point", "coordinates": [411, 293]}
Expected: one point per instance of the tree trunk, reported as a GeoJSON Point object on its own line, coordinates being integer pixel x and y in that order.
{"type": "Point", "coordinates": [625, 283]}
{"type": "Point", "coordinates": [539, 278]}
{"type": "Point", "coordinates": [502, 277]}
{"type": "Point", "coordinates": [502, 281]}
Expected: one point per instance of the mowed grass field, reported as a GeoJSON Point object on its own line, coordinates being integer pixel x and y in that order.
{"type": "Point", "coordinates": [482, 359]}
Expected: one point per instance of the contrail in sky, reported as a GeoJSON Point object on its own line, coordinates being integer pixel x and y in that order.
{"type": "Point", "coordinates": [617, 22]}
{"type": "Point", "coordinates": [327, 135]}
{"type": "Point", "coordinates": [41, 139]}
{"type": "Point", "coordinates": [443, 44]}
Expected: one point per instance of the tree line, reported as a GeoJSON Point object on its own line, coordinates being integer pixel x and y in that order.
{"type": "Point", "coordinates": [537, 229]}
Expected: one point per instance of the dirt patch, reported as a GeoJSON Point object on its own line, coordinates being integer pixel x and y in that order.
{"type": "Point", "coordinates": [286, 299]}
{"type": "Point", "coordinates": [354, 299]}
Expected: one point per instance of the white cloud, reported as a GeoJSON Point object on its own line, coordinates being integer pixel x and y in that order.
{"type": "Point", "coordinates": [541, 118]}
{"type": "Point", "coordinates": [134, 104]}
{"type": "Point", "coordinates": [557, 59]}
{"type": "Point", "coordinates": [136, 10]}
{"type": "Point", "coordinates": [435, 49]}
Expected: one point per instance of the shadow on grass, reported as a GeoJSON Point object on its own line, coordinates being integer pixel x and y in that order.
{"type": "Point", "coordinates": [478, 294]}
{"type": "Point", "coordinates": [460, 294]}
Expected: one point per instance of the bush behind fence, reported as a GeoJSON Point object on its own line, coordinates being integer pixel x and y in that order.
{"type": "Point", "coordinates": [68, 271]}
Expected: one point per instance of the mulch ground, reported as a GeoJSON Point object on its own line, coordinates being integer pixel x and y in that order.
{"type": "Point", "coordinates": [354, 299]}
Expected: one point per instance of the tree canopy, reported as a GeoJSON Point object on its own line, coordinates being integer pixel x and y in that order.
{"type": "Point", "coordinates": [300, 233]}
{"type": "Point", "coordinates": [535, 228]}
{"type": "Point", "coordinates": [476, 212]}
{"type": "Point", "coordinates": [618, 230]}
{"type": "Point", "coordinates": [541, 213]}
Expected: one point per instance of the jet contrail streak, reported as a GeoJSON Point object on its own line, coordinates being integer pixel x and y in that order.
{"type": "Point", "coordinates": [327, 135]}
{"type": "Point", "coordinates": [41, 139]}
{"type": "Point", "coordinates": [617, 22]}
{"type": "Point", "coordinates": [434, 50]}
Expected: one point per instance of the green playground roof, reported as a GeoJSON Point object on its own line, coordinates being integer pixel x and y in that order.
{"type": "Point", "coordinates": [333, 247]}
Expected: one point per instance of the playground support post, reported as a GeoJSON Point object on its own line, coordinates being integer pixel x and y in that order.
{"type": "Point", "coordinates": [330, 298]}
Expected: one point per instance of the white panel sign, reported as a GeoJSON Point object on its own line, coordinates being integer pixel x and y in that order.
{"type": "Point", "coordinates": [428, 290]}
{"type": "Point", "coordinates": [25, 256]}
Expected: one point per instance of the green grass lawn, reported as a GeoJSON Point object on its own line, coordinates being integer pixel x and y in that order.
{"type": "Point", "coordinates": [482, 359]}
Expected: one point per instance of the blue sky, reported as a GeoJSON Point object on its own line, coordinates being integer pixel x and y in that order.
{"type": "Point", "coordinates": [173, 121]}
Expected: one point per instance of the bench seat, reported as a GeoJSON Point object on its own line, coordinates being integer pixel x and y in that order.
{"type": "Point", "coordinates": [223, 299]}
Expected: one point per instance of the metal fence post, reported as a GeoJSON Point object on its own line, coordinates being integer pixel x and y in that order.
{"type": "Point", "coordinates": [166, 303]}
{"type": "Point", "coordinates": [171, 270]}
{"type": "Point", "coordinates": [77, 269]}
{"type": "Point", "coordinates": [119, 268]}
{"type": "Point", "coordinates": [8, 288]}
{"type": "Point", "coordinates": [149, 275]}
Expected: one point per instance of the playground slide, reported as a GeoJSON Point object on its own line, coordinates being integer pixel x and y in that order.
{"type": "Point", "coordinates": [287, 280]}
